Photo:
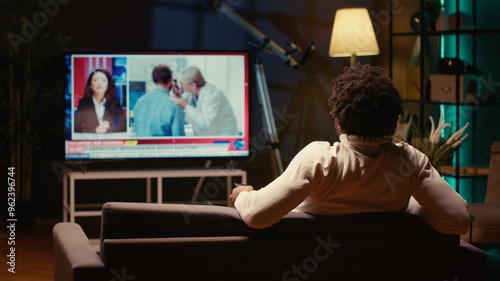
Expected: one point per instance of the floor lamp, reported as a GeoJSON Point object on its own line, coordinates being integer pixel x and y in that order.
{"type": "Point", "coordinates": [353, 35]}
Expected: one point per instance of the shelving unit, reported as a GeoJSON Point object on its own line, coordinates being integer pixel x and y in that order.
{"type": "Point", "coordinates": [479, 106]}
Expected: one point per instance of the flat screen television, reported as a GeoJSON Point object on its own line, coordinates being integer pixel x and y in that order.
{"type": "Point", "coordinates": [131, 74]}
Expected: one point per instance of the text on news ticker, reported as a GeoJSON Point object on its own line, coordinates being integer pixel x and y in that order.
{"type": "Point", "coordinates": [11, 219]}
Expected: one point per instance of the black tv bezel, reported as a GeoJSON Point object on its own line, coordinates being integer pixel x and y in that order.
{"type": "Point", "coordinates": [194, 160]}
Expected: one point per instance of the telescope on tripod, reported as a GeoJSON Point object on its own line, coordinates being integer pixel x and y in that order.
{"type": "Point", "coordinates": [288, 56]}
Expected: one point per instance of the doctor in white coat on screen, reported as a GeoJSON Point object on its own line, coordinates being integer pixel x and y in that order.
{"type": "Point", "coordinates": [205, 105]}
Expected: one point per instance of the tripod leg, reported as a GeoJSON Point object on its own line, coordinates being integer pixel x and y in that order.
{"type": "Point", "coordinates": [198, 185]}
{"type": "Point", "coordinates": [268, 119]}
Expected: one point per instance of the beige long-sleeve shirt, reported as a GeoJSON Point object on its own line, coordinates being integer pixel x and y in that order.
{"type": "Point", "coordinates": [357, 176]}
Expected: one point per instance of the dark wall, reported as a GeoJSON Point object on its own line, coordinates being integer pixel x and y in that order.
{"type": "Point", "coordinates": [298, 96]}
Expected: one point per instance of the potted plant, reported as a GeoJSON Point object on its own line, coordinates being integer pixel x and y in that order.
{"type": "Point", "coordinates": [438, 151]}
{"type": "Point", "coordinates": [30, 83]}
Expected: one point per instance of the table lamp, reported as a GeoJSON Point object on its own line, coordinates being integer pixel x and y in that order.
{"type": "Point", "coordinates": [353, 35]}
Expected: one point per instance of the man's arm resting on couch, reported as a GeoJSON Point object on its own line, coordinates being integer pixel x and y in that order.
{"type": "Point", "coordinates": [74, 257]}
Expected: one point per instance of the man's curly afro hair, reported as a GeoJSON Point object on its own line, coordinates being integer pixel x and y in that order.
{"type": "Point", "coordinates": [364, 102]}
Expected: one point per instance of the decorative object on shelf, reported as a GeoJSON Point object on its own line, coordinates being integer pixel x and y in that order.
{"type": "Point", "coordinates": [429, 19]}
{"type": "Point", "coordinates": [438, 151]}
{"type": "Point", "coordinates": [443, 88]}
{"type": "Point", "coordinates": [426, 19]}
{"type": "Point", "coordinates": [353, 35]}
{"type": "Point", "coordinates": [442, 21]}
{"type": "Point", "coordinates": [456, 66]}
{"type": "Point", "coordinates": [464, 19]}
{"type": "Point", "coordinates": [421, 18]}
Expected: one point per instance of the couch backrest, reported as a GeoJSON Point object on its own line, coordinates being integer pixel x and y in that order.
{"type": "Point", "coordinates": [214, 238]}
{"type": "Point", "coordinates": [142, 220]}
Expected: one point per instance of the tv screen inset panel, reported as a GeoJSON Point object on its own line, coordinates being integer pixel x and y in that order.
{"type": "Point", "coordinates": [117, 127]}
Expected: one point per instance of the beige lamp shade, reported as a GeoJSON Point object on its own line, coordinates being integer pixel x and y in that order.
{"type": "Point", "coordinates": [353, 34]}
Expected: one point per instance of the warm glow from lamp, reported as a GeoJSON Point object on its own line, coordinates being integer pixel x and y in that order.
{"type": "Point", "coordinates": [353, 35]}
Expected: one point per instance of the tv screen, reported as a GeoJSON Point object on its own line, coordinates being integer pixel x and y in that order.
{"type": "Point", "coordinates": [141, 105]}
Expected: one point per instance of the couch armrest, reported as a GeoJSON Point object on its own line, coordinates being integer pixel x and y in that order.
{"type": "Point", "coordinates": [74, 257]}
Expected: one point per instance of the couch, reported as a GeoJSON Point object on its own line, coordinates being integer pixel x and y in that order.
{"type": "Point", "coordinates": [144, 241]}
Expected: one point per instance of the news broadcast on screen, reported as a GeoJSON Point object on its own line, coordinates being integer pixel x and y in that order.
{"type": "Point", "coordinates": [156, 105]}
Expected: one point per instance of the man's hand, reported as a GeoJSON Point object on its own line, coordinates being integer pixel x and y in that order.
{"type": "Point", "coordinates": [179, 102]}
{"type": "Point", "coordinates": [238, 190]}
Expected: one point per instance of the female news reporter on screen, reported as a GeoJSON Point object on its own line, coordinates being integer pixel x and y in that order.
{"type": "Point", "coordinates": [99, 111]}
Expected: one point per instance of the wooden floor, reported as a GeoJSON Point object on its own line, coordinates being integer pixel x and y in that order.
{"type": "Point", "coordinates": [35, 261]}
{"type": "Point", "coordinates": [33, 253]}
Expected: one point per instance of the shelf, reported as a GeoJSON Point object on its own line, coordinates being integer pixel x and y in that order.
{"type": "Point", "coordinates": [450, 171]}
{"type": "Point", "coordinates": [448, 32]}
{"type": "Point", "coordinates": [477, 105]}
{"type": "Point", "coordinates": [452, 103]}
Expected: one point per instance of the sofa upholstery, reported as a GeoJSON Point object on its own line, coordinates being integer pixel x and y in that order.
{"type": "Point", "coordinates": [143, 241]}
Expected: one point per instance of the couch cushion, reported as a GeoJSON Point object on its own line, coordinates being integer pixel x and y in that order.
{"type": "Point", "coordinates": [472, 262]}
{"type": "Point", "coordinates": [264, 258]}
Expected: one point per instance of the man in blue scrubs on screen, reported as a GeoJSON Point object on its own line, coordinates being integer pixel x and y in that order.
{"type": "Point", "coordinates": [154, 113]}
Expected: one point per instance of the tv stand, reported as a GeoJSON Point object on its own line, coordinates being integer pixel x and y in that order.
{"type": "Point", "coordinates": [71, 176]}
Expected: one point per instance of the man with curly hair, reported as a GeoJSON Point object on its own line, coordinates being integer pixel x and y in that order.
{"type": "Point", "coordinates": [364, 172]}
